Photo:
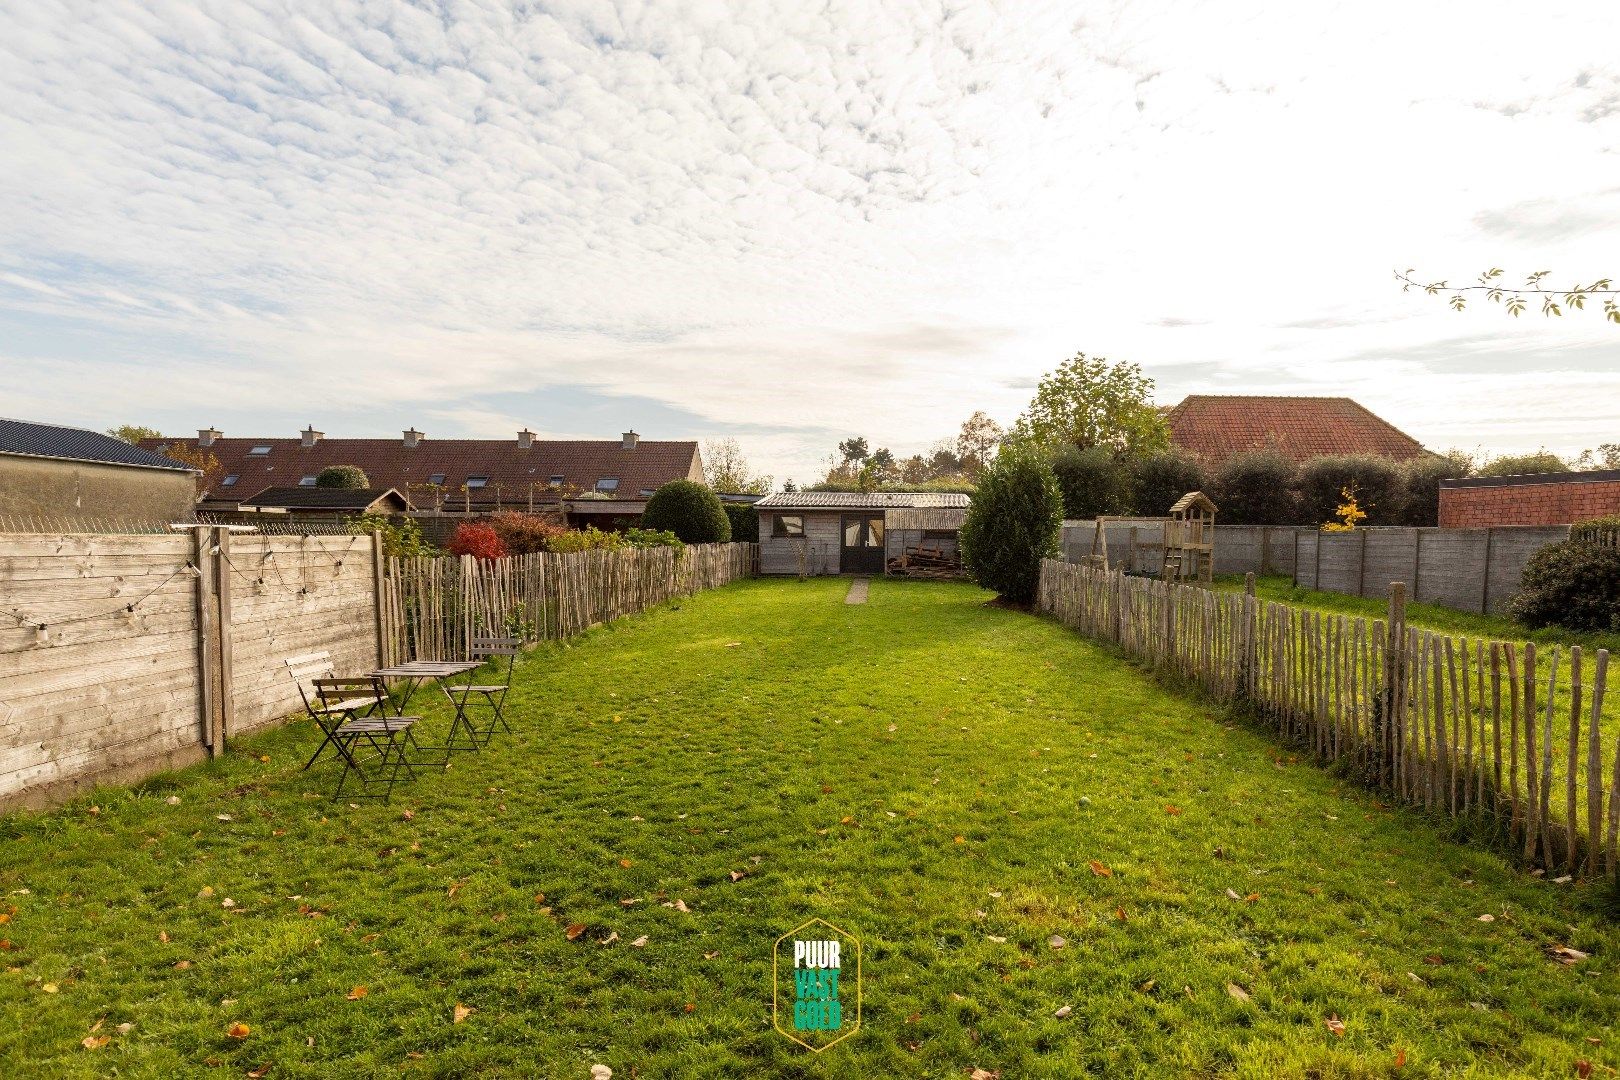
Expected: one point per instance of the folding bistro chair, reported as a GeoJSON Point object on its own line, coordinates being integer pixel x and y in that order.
{"type": "Point", "coordinates": [491, 696]}
{"type": "Point", "coordinates": [357, 705]}
{"type": "Point", "coordinates": [305, 670]}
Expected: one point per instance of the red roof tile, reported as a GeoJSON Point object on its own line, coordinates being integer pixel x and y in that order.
{"type": "Point", "coordinates": [1216, 426]}
{"type": "Point", "coordinates": [514, 471]}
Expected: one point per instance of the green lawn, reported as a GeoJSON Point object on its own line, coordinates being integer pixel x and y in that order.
{"type": "Point", "coordinates": [931, 774]}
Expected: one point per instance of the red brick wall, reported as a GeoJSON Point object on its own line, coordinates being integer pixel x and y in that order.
{"type": "Point", "coordinates": [1528, 504]}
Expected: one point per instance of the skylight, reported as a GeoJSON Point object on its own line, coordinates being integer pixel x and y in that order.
{"type": "Point", "coordinates": [259, 451]}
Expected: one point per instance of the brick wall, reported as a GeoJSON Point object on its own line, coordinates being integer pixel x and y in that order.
{"type": "Point", "coordinates": [1540, 499]}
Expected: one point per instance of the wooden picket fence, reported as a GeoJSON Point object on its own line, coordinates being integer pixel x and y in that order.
{"type": "Point", "coordinates": [432, 608]}
{"type": "Point", "coordinates": [1499, 733]}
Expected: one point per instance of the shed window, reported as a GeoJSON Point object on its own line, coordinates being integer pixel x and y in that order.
{"type": "Point", "coordinates": [788, 525]}
{"type": "Point", "coordinates": [939, 534]}
{"type": "Point", "coordinates": [608, 483]}
{"type": "Point", "coordinates": [556, 481]}
{"type": "Point", "coordinates": [477, 481]}
{"type": "Point", "coordinates": [259, 451]}
{"type": "Point", "coordinates": [229, 481]}
{"type": "Point", "coordinates": [307, 481]}
{"type": "Point", "coordinates": [437, 479]}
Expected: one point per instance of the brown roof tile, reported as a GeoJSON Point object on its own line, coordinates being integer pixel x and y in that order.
{"type": "Point", "coordinates": [1216, 426]}
{"type": "Point", "coordinates": [389, 463]}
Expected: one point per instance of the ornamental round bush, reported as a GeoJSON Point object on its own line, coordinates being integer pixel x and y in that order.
{"type": "Point", "coordinates": [690, 511]}
{"type": "Point", "coordinates": [1013, 522]}
{"type": "Point", "coordinates": [349, 477]}
{"type": "Point", "coordinates": [478, 540]}
{"type": "Point", "coordinates": [1572, 585]}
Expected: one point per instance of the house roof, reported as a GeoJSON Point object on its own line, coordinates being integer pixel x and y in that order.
{"type": "Point", "coordinates": [926, 518]}
{"type": "Point", "coordinates": [1217, 426]}
{"type": "Point", "coordinates": [861, 500]}
{"type": "Point", "coordinates": [319, 498]}
{"type": "Point", "coordinates": [510, 469]}
{"type": "Point", "coordinates": [26, 439]}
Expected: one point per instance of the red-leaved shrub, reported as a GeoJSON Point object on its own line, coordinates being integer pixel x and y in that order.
{"type": "Point", "coordinates": [522, 533]}
{"type": "Point", "coordinates": [479, 541]}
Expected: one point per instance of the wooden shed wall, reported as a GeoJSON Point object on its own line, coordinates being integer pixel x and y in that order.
{"type": "Point", "coordinates": [820, 546]}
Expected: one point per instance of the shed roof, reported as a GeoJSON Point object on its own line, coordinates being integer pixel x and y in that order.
{"type": "Point", "coordinates": [863, 500]}
{"type": "Point", "coordinates": [27, 439]}
{"type": "Point", "coordinates": [319, 498]}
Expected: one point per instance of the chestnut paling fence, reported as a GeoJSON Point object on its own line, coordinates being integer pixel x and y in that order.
{"type": "Point", "coordinates": [1517, 738]}
{"type": "Point", "coordinates": [433, 608]}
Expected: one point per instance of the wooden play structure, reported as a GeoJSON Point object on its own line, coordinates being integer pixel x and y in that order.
{"type": "Point", "coordinates": [1185, 547]}
{"type": "Point", "coordinates": [1189, 540]}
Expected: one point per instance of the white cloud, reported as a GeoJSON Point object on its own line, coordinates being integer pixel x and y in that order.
{"type": "Point", "coordinates": [779, 215]}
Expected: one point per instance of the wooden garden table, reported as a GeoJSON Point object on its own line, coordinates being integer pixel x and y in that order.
{"type": "Point", "coordinates": [417, 672]}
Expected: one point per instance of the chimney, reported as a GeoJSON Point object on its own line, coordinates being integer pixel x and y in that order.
{"type": "Point", "coordinates": [525, 439]}
{"type": "Point", "coordinates": [630, 440]}
{"type": "Point", "coordinates": [206, 436]}
{"type": "Point", "coordinates": [412, 438]}
{"type": "Point", "coordinates": [310, 436]}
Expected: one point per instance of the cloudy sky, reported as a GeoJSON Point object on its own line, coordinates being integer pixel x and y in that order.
{"type": "Point", "coordinates": [792, 222]}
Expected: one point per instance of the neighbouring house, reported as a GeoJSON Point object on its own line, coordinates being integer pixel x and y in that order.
{"type": "Point", "coordinates": [49, 471]}
{"type": "Point", "coordinates": [1214, 427]}
{"type": "Point", "coordinates": [837, 532]}
{"type": "Point", "coordinates": [601, 482]}
{"type": "Point", "coordinates": [1531, 499]}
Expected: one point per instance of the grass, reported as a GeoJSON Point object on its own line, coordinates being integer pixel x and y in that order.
{"type": "Point", "coordinates": [928, 773]}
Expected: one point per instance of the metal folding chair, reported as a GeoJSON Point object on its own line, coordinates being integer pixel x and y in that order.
{"type": "Point", "coordinates": [492, 695]}
{"type": "Point", "coordinates": [305, 670]}
{"type": "Point", "coordinates": [357, 704]}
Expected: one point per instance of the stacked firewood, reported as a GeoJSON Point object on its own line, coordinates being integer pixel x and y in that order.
{"type": "Point", "coordinates": [926, 562]}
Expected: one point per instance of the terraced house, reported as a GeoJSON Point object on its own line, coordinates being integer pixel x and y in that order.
{"type": "Point", "coordinates": [602, 482]}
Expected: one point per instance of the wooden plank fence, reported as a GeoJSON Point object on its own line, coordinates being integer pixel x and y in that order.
{"type": "Point", "coordinates": [1516, 738]}
{"type": "Point", "coordinates": [431, 609]}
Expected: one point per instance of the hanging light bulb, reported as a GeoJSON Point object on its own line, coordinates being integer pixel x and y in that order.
{"type": "Point", "coordinates": [41, 636]}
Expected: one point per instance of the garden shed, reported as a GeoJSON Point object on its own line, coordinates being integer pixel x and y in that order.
{"type": "Point", "coordinates": [854, 532]}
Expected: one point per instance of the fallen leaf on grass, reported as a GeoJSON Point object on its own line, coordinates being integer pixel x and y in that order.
{"type": "Point", "coordinates": [1335, 1025]}
{"type": "Point", "coordinates": [574, 930]}
{"type": "Point", "coordinates": [1119, 913]}
{"type": "Point", "coordinates": [984, 1074]}
{"type": "Point", "coordinates": [640, 942]}
{"type": "Point", "coordinates": [1099, 869]}
{"type": "Point", "coordinates": [1400, 1059]}
{"type": "Point", "coordinates": [737, 875]}
{"type": "Point", "coordinates": [461, 1012]}
{"type": "Point", "coordinates": [711, 955]}
{"type": "Point", "coordinates": [625, 863]}
{"type": "Point", "coordinates": [601, 1072]}
{"type": "Point", "coordinates": [95, 1042]}
{"type": "Point", "coordinates": [1173, 811]}
{"type": "Point", "coordinates": [959, 840]}
{"type": "Point", "coordinates": [125, 1028]}
{"type": "Point", "coordinates": [1566, 955]}
{"type": "Point", "coordinates": [1583, 1068]}
{"type": "Point", "coordinates": [163, 936]}
{"type": "Point", "coordinates": [610, 939]}
{"type": "Point", "coordinates": [1231, 894]}
{"type": "Point", "coordinates": [1238, 992]}
{"type": "Point", "coordinates": [997, 940]}
{"type": "Point", "coordinates": [238, 1030]}
{"type": "Point", "coordinates": [1251, 898]}
{"type": "Point", "coordinates": [1063, 1012]}
{"type": "Point", "coordinates": [181, 965]}
{"type": "Point", "coordinates": [260, 1073]}
{"type": "Point", "coordinates": [1487, 917]}
{"type": "Point", "coordinates": [691, 1007]}
{"type": "Point", "coordinates": [357, 993]}
{"type": "Point", "coordinates": [1057, 941]}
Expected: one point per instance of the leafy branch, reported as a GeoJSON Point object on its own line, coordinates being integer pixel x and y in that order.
{"type": "Point", "coordinates": [1516, 299]}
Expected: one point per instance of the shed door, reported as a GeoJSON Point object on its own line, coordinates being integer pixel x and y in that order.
{"type": "Point", "coordinates": [861, 549]}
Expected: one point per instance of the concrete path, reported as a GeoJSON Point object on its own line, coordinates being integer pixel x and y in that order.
{"type": "Point", "coordinates": [857, 591]}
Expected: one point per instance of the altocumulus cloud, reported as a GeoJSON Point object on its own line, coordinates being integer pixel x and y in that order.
{"type": "Point", "coordinates": [759, 216]}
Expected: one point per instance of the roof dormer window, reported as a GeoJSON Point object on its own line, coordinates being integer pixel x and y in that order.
{"type": "Point", "coordinates": [259, 451]}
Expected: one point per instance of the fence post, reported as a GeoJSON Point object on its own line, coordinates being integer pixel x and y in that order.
{"type": "Point", "coordinates": [207, 635]}
{"type": "Point", "coordinates": [1387, 733]}
{"type": "Point", "coordinates": [220, 549]}
{"type": "Point", "coordinates": [1251, 647]}
{"type": "Point", "coordinates": [377, 593]}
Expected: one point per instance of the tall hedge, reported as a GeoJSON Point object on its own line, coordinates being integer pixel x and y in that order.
{"type": "Point", "coordinates": [1420, 499]}
{"type": "Point", "coordinates": [689, 510]}
{"type": "Point", "coordinates": [744, 522]}
{"type": "Point", "coordinates": [1377, 482]}
{"type": "Point", "coordinates": [1013, 522]}
{"type": "Point", "coordinates": [1257, 488]}
{"type": "Point", "coordinates": [1091, 481]}
{"type": "Point", "coordinates": [1158, 480]}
